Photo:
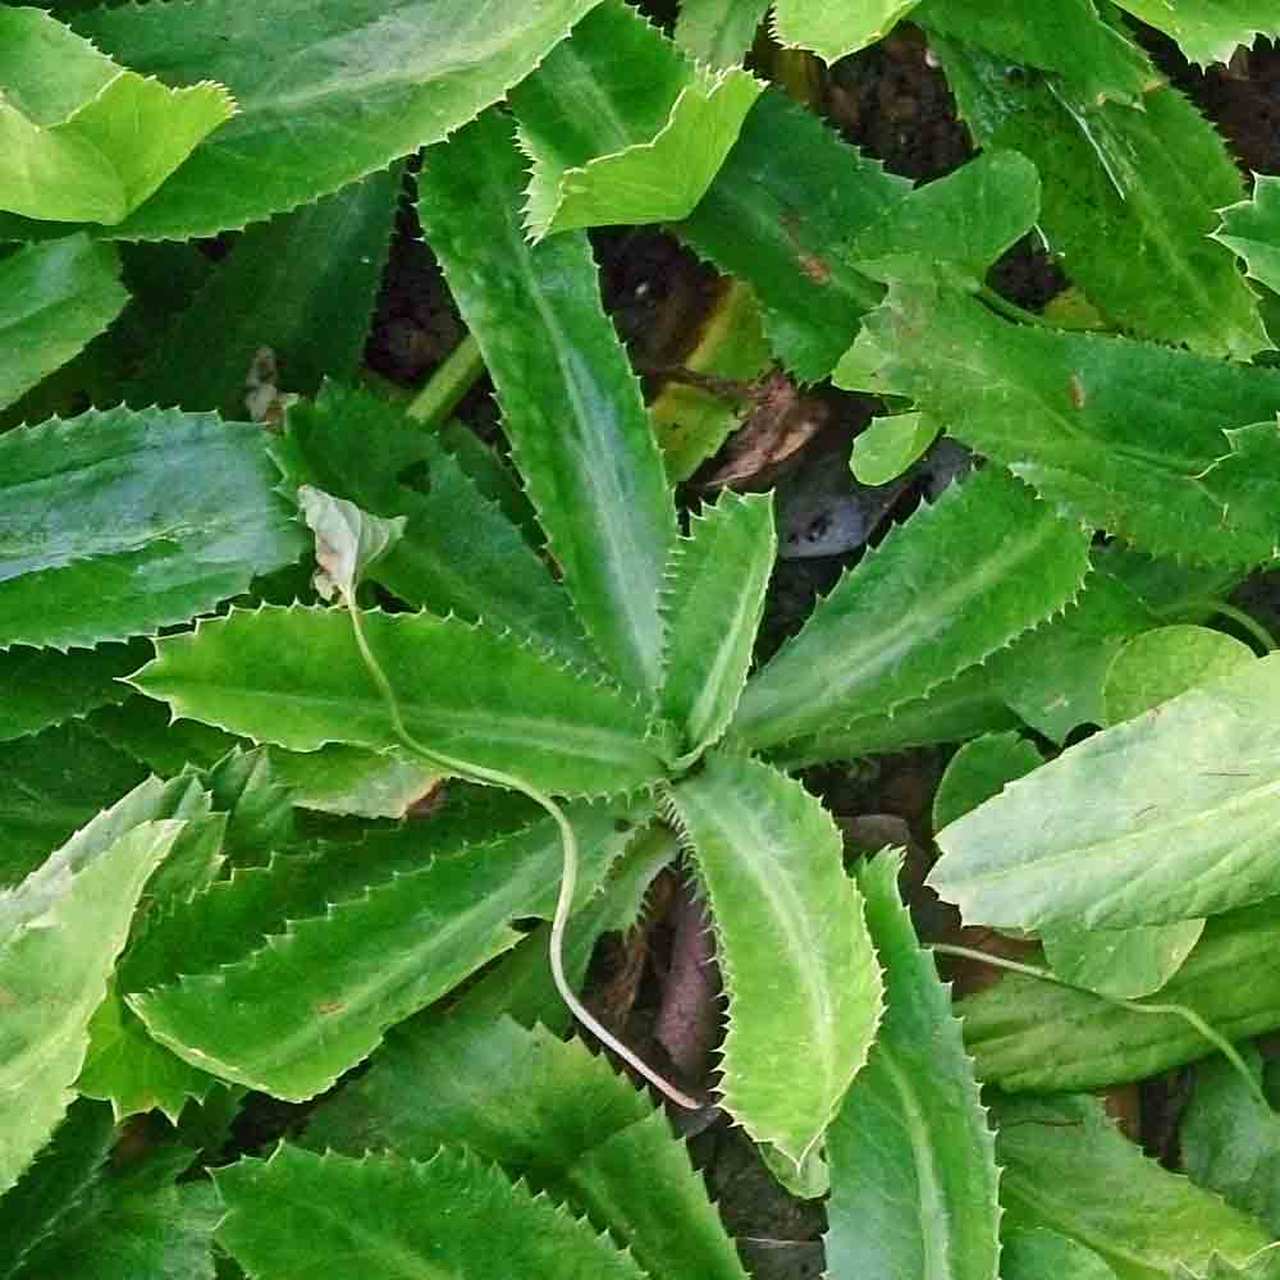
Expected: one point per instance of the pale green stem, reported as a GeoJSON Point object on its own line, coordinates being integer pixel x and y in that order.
{"type": "Point", "coordinates": [1010, 310]}
{"type": "Point", "coordinates": [568, 843]}
{"type": "Point", "coordinates": [1245, 621]}
{"type": "Point", "coordinates": [1190, 1016]}
{"type": "Point", "coordinates": [452, 379]}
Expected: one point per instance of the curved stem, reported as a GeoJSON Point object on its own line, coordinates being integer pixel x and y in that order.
{"type": "Point", "coordinates": [1245, 621]}
{"type": "Point", "coordinates": [1010, 310]}
{"type": "Point", "coordinates": [568, 878]}
{"type": "Point", "coordinates": [1190, 1016]}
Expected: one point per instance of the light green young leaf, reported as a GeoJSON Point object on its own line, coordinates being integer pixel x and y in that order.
{"type": "Point", "coordinates": [958, 581]}
{"type": "Point", "coordinates": [294, 677]}
{"type": "Point", "coordinates": [81, 138]}
{"type": "Point", "coordinates": [622, 127]}
{"type": "Point", "coordinates": [118, 522]}
{"type": "Point", "coordinates": [979, 770]}
{"type": "Point", "coordinates": [1208, 30]}
{"type": "Point", "coordinates": [410, 71]}
{"type": "Point", "coordinates": [1160, 664]}
{"type": "Point", "coordinates": [1251, 229]}
{"type": "Point", "coordinates": [1124, 963]}
{"type": "Point", "coordinates": [834, 28]}
{"type": "Point", "coordinates": [798, 966]}
{"type": "Point", "coordinates": [343, 779]}
{"type": "Point", "coordinates": [1066, 1167]}
{"type": "Point", "coordinates": [1161, 818]}
{"type": "Point", "coordinates": [1029, 1034]}
{"type": "Point", "coordinates": [888, 446]}
{"type": "Point", "coordinates": [1140, 440]}
{"type": "Point", "coordinates": [1130, 196]}
{"type": "Point", "coordinates": [290, 1216]}
{"type": "Point", "coordinates": [54, 968]}
{"type": "Point", "coordinates": [348, 540]}
{"type": "Point", "coordinates": [719, 32]}
{"type": "Point", "coordinates": [571, 405]}
{"type": "Point", "coordinates": [714, 604]}
{"type": "Point", "coordinates": [44, 687]}
{"type": "Point", "coordinates": [54, 298]}
{"type": "Point", "coordinates": [1041, 1254]}
{"type": "Point", "coordinates": [913, 1173]}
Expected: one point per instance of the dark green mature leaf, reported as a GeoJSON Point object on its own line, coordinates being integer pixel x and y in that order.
{"type": "Point", "coordinates": [957, 582]}
{"type": "Point", "coordinates": [714, 603]}
{"type": "Point", "coordinates": [54, 970]}
{"type": "Point", "coordinates": [1068, 1168]}
{"type": "Point", "coordinates": [1130, 196]}
{"type": "Point", "coordinates": [718, 32]}
{"type": "Point", "coordinates": [1230, 1142]}
{"type": "Point", "coordinates": [1161, 818]}
{"type": "Point", "coordinates": [913, 1172]}
{"type": "Point", "coordinates": [292, 1015]}
{"type": "Point", "coordinates": [1140, 440]}
{"type": "Point", "coordinates": [803, 984]}
{"type": "Point", "coordinates": [622, 127]}
{"type": "Point", "coordinates": [54, 298]}
{"type": "Point", "coordinates": [460, 553]}
{"type": "Point", "coordinates": [301, 285]}
{"type": "Point", "coordinates": [117, 522]}
{"type": "Point", "coordinates": [571, 405]}
{"type": "Point", "coordinates": [788, 193]}
{"type": "Point", "coordinates": [410, 72]}
{"type": "Point", "coordinates": [833, 28]}
{"type": "Point", "coordinates": [43, 687]}
{"type": "Point", "coordinates": [1028, 1034]}
{"type": "Point", "coordinates": [295, 678]}
{"type": "Point", "coordinates": [1041, 1254]}
{"type": "Point", "coordinates": [293, 1214]}
{"type": "Point", "coordinates": [1208, 30]}
{"type": "Point", "coordinates": [980, 770]}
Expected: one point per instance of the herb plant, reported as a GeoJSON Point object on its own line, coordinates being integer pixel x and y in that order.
{"type": "Point", "coordinates": [336, 739]}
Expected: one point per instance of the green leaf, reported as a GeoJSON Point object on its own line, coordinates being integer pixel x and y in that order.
{"type": "Point", "coordinates": [54, 298]}
{"type": "Point", "coordinates": [1251, 230]}
{"type": "Point", "coordinates": [116, 523]}
{"type": "Point", "coordinates": [386, 1218]}
{"type": "Point", "coordinates": [571, 405]}
{"type": "Point", "coordinates": [719, 32]}
{"type": "Point", "coordinates": [958, 581]}
{"type": "Point", "coordinates": [1130, 196]}
{"type": "Point", "coordinates": [1208, 30]}
{"type": "Point", "coordinates": [1068, 1168]}
{"type": "Point", "coordinates": [1230, 1142]}
{"type": "Point", "coordinates": [302, 285]}
{"type": "Point", "coordinates": [979, 770]}
{"type": "Point", "coordinates": [787, 195]}
{"type": "Point", "coordinates": [1161, 818]}
{"type": "Point", "coordinates": [348, 540]}
{"type": "Point", "coordinates": [294, 677]}
{"type": "Point", "coordinates": [44, 687]}
{"type": "Point", "coordinates": [1158, 665]}
{"type": "Point", "coordinates": [1040, 1254]}
{"type": "Point", "coordinates": [714, 603]}
{"type": "Point", "coordinates": [803, 984]}
{"type": "Point", "coordinates": [54, 969]}
{"type": "Point", "coordinates": [342, 779]}
{"type": "Point", "coordinates": [888, 446]}
{"type": "Point", "coordinates": [81, 138]}
{"type": "Point", "coordinates": [1124, 963]}
{"type": "Point", "coordinates": [834, 28]}
{"type": "Point", "coordinates": [913, 1173]}
{"type": "Point", "coordinates": [291, 1016]}
{"type": "Point", "coordinates": [550, 1113]}
{"type": "Point", "coordinates": [410, 72]}
{"type": "Point", "coordinates": [622, 128]}
{"type": "Point", "coordinates": [1059, 410]}
{"type": "Point", "coordinates": [460, 553]}
{"type": "Point", "coordinates": [1029, 1034]}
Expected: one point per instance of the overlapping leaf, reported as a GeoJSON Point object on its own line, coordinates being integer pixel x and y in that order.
{"type": "Point", "coordinates": [1251, 229]}
{"type": "Point", "coordinates": [1207, 30]}
{"type": "Point", "coordinates": [44, 687]}
{"type": "Point", "coordinates": [719, 32]}
{"type": "Point", "coordinates": [833, 28]}
{"type": "Point", "coordinates": [1040, 1254]}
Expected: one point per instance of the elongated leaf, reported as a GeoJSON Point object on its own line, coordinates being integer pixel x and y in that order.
{"type": "Point", "coordinates": [1130, 195]}
{"type": "Point", "coordinates": [719, 32]}
{"type": "Point", "coordinates": [913, 1173]}
{"type": "Point", "coordinates": [292, 1016]}
{"type": "Point", "coordinates": [787, 194]}
{"type": "Point", "coordinates": [317, 269]}
{"type": "Point", "coordinates": [958, 581]}
{"type": "Point", "coordinates": [44, 687]}
{"type": "Point", "coordinates": [622, 127]}
{"type": "Point", "coordinates": [1029, 1034]}
{"type": "Point", "coordinates": [571, 406]}
{"type": "Point", "coordinates": [716, 598]}
{"type": "Point", "coordinates": [1142, 441]}
{"type": "Point", "coordinates": [1208, 30]}
{"type": "Point", "coordinates": [294, 677]}
{"type": "Point", "coordinates": [115, 523]}
{"type": "Point", "coordinates": [411, 72]}
{"type": "Point", "coordinates": [459, 553]}
{"type": "Point", "coordinates": [1178, 820]}
{"type": "Point", "coordinates": [54, 971]}
{"type": "Point", "coordinates": [81, 138]}
{"type": "Point", "coordinates": [1066, 1167]}
{"type": "Point", "coordinates": [803, 984]}
{"type": "Point", "coordinates": [387, 1218]}
{"type": "Point", "coordinates": [54, 298]}
{"type": "Point", "coordinates": [1041, 1254]}
{"type": "Point", "coordinates": [833, 28]}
